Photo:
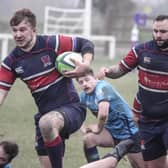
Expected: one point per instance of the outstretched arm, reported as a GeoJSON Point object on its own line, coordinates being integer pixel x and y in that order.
{"type": "Point", "coordinates": [128, 63]}
{"type": "Point", "coordinates": [113, 72]}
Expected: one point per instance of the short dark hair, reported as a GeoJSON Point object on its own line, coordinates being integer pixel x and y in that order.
{"type": "Point", "coordinates": [22, 14]}
{"type": "Point", "coordinates": [87, 72]}
{"type": "Point", "coordinates": [10, 148]}
{"type": "Point", "coordinates": [161, 17]}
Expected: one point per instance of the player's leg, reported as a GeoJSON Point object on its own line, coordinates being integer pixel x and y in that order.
{"type": "Point", "coordinates": [50, 124]}
{"type": "Point", "coordinates": [60, 124]}
{"type": "Point", "coordinates": [91, 141]}
{"type": "Point", "coordinates": [154, 136]}
{"type": "Point", "coordinates": [120, 149]}
{"type": "Point", "coordinates": [39, 145]}
{"type": "Point", "coordinates": [111, 159]}
{"type": "Point", "coordinates": [45, 161]}
{"type": "Point", "coordinates": [161, 162]}
{"type": "Point", "coordinates": [135, 154]}
{"type": "Point", "coordinates": [136, 160]}
{"type": "Point", "coordinates": [109, 162]}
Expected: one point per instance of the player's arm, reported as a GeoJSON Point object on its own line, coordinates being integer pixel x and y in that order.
{"type": "Point", "coordinates": [103, 107]}
{"type": "Point", "coordinates": [128, 63]}
{"type": "Point", "coordinates": [86, 48]}
{"type": "Point", "coordinates": [3, 94]}
{"type": "Point", "coordinates": [7, 78]}
{"type": "Point", "coordinates": [87, 58]}
{"type": "Point", "coordinates": [84, 128]}
{"type": "Point", "coordinates": [113, 72]}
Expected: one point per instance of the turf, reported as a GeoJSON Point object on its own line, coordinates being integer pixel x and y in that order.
{"type": "Point", "coordinates": [17, 122]}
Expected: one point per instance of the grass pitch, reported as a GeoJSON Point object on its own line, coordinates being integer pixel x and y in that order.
{"type": "Point", "coordinates": [17, 122]}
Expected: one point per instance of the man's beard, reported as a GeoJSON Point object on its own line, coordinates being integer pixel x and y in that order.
{"type": "Point", "coordinates": [163, 46]}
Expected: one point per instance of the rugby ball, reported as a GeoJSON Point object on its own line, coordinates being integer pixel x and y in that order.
{"type": "Point", "coordinates": [64, 62]}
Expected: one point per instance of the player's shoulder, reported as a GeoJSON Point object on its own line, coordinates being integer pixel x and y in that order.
{"type": "Point", "coordinates": [103, 83]}
{"type": "Point", "coordinates": [149, 45]}
{"type": "Point", "coordinates": [47, 41]}
{"type": "Point", "coordinates": [104, 86]}
{"type": "Point", "coordinates": [12, 56]}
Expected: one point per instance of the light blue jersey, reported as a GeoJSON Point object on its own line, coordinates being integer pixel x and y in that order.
{"type": "Point", "coordinates": [120, 120]}
{"type": "Point", "coordinates": [7, 166]}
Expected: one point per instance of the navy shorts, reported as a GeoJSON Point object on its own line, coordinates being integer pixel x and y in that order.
{"type": "Point", "coordinates": [154, 138]}
{"type": "Point", "coordinates": [74, 115]}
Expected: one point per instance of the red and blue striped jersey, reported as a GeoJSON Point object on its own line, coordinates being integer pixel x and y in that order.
{"type": "Point", "coordinates": [37, 69]}
{"type": "Point", "coordinates": [152, 65]}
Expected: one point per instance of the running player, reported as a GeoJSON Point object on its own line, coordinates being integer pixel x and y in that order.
{"type": "Point", "coordinates": [151, 103]}
{"type": "Point", "coordinates": [33, 61]}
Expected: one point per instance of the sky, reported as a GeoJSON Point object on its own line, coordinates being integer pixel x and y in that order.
{"type": "Point", "coordinates": [8, 7]}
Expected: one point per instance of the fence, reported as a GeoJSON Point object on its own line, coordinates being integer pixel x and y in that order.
{"type": "Point", "coordinates": [4, 38]}
{"type": "Point", "coordinates": [77, 22]}
{"type": "Point", "coordinates": [71, 22]}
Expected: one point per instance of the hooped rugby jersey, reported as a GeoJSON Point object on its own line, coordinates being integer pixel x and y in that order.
{"type": "Point", "coordinates": [37, 70]}
{"type": "Point", "coordinates": [152, 64]}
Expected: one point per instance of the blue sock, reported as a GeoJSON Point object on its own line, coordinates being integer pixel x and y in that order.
{"type": "Point", "coordinates": [91, 154]}
{"type": "Point", "coordinates": [55, 152]}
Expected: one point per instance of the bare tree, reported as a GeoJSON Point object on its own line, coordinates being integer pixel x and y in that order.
{"type": "Point", "coordinates": [116, 14]}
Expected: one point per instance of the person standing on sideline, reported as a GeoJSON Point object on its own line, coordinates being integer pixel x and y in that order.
{"type": "Point", "coordinates": [151, 102]}
{"type": "Point", "coordinates": [8, 151]}
{"type": "Point", "coordinates": [114, 127]}
{"type": "Point", "coordinates": [60, 112]}
{"type": "Point", "coordinates": [134, 35]}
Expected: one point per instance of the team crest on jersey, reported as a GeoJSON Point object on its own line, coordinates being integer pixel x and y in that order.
{"type": "Point", "coordinates": [147, 60]}
{"type": "Point", "coordinates": [46, 60]}
{"type": "Point", "coordinates": [19, 70]}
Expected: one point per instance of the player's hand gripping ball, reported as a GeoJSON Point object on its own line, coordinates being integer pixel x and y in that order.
{"type": "Point", "coordinates": [64, 61]}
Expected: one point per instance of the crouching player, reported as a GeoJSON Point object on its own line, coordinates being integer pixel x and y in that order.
{"type": "Point", "coordinates": [114, 128]}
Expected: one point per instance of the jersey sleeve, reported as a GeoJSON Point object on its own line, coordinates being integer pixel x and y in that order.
{"type": "Point", "coordinates": [68, 43]}
{"type": "Point", "coordinates": [83, 45]}
{"type": "Point", "coordinates": [7, 75]}
{"type": "Point", "coordinates": [104, 92]}
{"type": "Point", "coordinates": [129, 62]}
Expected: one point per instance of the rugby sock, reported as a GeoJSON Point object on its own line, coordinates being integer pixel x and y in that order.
{"type": "Point", "coordinates": [55, 152]}
{"type": "Point", "coordinates": [91, 154]}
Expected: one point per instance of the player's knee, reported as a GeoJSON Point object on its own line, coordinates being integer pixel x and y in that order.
{"type": "Point", "coordinates": [89, 140]}
{"type": "Point", "coordinates": [45, 124]}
